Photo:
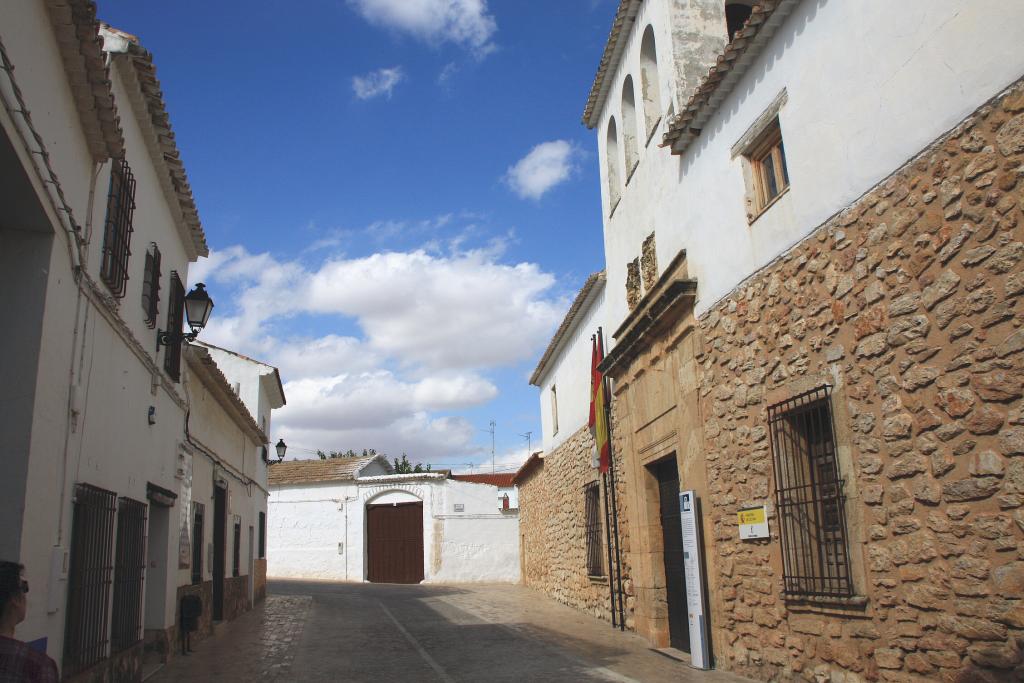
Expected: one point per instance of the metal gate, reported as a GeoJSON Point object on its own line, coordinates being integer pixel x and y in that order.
{"type": "Point", "coordinates": [129, 574]}
{"type": "Point", "coordinates": [394, 542]}
{"type": "Point", "coordinates": [92, 536]}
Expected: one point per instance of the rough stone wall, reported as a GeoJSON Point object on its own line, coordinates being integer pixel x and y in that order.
{"type": "Point", "coordinates": [259, 589]}
{"type": "Point", "coordinates": [552, 523]}
{"type": "Point", "coordinates": [908, 303]}
{"type": "Point", "coordinates": [236, 596]}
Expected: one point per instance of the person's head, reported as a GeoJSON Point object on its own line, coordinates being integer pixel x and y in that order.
{"type": "Point", "coordinates": [12, 591]}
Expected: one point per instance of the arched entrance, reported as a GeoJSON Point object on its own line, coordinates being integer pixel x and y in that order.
{"type": "Point", "coordinates": [394, 538]}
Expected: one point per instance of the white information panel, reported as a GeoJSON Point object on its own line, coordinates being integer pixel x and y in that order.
{"type": "Point", "coordinates": [693, 570]}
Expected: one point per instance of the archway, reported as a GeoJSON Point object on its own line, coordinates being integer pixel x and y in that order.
{"type": "Point", "coordinates": [394, 538]}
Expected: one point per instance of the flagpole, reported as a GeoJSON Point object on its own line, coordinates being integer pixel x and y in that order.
{"type": "Point", "coordinates": [611, 472]}
{"type": "Point", "coordinates": [607, 507]}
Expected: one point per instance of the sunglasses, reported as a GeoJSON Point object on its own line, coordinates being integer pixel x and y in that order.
{"type": "Point", "coordinates": [24, 586]}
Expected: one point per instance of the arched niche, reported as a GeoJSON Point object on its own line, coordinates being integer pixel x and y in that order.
{"type": "Point", "coordinates": [611, 153]}
{"type": "Point", "coordinates": [649, 83]}
{"type": "Point", "coordinates": [629, 126]}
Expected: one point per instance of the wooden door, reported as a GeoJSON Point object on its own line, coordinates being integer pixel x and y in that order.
{"type": "Point", "coordinates": [394, 542]}
{"type": "Point", "coordinates": [672, 536]}
{"type": "Point", "coordinates": [220, 515]}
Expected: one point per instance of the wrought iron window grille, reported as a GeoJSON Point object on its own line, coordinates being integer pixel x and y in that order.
{"type": "Point", "coordinates": [129, 574]}
{"type": "Point", "coordinates": [89, 577]}
{"type": "Point", "coordinates": [592, 509]}
{"type": "Point", "coordinates": [117, 231]}
{"type": "Point", "coordinates": [810, 498]}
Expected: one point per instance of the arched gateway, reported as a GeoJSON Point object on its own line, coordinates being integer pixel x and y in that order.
{"type": "Point", "coordinates": [394, 538]}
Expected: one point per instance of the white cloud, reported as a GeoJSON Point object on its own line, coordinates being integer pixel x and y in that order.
{"type": "Point", "coordinates": [463, 22]}
{"type": "Point", "coordinates": [447, 73]}
{"type": "Point", "coordinates": [377, 83]}
{"type": "Point", "coordinates": [547, 165]}
{"type": "Point", "coordinates": [426, 328]}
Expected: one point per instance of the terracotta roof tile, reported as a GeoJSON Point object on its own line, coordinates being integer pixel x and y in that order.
{"type": "Point", "coordinates": [765, 17]}
{"type": "Point", "coordinates": [313, 471]}
{"type": "Point", "coordinates": [568, 323]}
{"type": "Point", "coordinates": [503, 479]}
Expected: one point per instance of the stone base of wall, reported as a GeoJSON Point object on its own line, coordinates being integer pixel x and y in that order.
{"type": "Point", "coordinates": [552, 527]}
{"type": "Point", "coordinates": [236, 597]}
{"type": "Point", "coordinates": [121, 667]}
{"type": "Point", "coordinates": [908, 305]}
{"type": "Point", "coordinates": [259, 590]}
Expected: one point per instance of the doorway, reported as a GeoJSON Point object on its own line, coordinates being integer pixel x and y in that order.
{"type": "Point", "coordinates": [219, 533]}
{"type": "Point", "coordinates": [667, 474]}
{"type": "Point", "coordinates": [394, 542]}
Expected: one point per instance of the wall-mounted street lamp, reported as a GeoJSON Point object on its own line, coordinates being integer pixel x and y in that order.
{"type": "Point", "coordinates": [281, 448]}
{"type": "Point", "coordinates": [198, 306]}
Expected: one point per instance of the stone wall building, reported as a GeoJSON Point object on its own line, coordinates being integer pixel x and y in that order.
{"type": "Point", "coordinates": [804, 320]}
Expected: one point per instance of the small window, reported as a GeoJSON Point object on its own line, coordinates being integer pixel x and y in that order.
{"type": "Point", "coordinates": [198, 513]}
{"type": "Point", "coordinates": [769, 176]}
{"type": "Point", "coordinates": [592, 509]}
{"type": "Point", "coordinates": [117, 231]}
{"type": "Point", "coordinates": [554, 409]}
{"type": "Point", "coordinates": [736, 14]}
{"type": "Point", "coordinates": [151, 285]}
{"type": "Point", "coordinates": [175, 320]}
{"type": "Point", "coordinates": [809, 498]}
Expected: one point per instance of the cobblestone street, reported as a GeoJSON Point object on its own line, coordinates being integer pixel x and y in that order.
{"type": "Point", "coordinates": [368, 632]}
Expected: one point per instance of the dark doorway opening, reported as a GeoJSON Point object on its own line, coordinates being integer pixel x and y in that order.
{"type": "Point", "coordinates": [394, 541]}
{"type": "Point", "coordinates": [219, 524]}
{"type": "Point", "coordinates": [667, 475]}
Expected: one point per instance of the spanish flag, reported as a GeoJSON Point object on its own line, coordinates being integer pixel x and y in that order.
{"type": "Point", "coordinates": [598, 402]}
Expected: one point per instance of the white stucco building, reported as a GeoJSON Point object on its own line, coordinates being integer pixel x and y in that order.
{"type": "Point", "coordinates": [563, 372]}
{"type": "Point", "coordinates": [856, 88]}
{"type": "Point", "coordinates": [349, 519]}
{"type": "Point", "coordinates": [98, 227]}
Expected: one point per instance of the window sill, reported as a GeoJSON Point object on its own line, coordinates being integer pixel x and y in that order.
{"type": "Point", "coordinates": [615, 205]}
{"type": "Point", "coordinates": [752, 218]}
{"type": "Point", "coordinates": [652, 131]}
{"type": "Point", "coordinates": [632, 171]}
{"type": "Point", "coordinates": [853, 602]}
{"type": "Point", "coordinates": [598, 579]}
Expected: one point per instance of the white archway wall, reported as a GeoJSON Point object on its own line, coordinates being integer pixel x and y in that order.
{"type": "Point", "coordinates": [629, 126]}
{"type": "Point", "coordinates": [649, 84]}
{"type": "Point", "coordinates": [611, 153]}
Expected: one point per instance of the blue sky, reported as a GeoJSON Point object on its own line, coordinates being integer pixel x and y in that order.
{"type": "Point", "coordinates": [400, 200]}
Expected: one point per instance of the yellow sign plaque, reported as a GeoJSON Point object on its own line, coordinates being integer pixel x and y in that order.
{"type": "Point", "coordinates": [753, 522]}
{"type": "Point", "coordinates": [751, 516]}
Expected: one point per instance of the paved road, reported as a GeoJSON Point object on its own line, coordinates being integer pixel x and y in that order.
{"type": "Point", "coordinates": [308, 631]}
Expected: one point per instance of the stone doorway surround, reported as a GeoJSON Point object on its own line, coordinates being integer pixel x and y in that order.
{"type": "Point", "coordinates": [655, 414]}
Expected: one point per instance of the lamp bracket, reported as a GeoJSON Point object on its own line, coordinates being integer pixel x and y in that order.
{"type": "Point", "coordinates": [166, 338]}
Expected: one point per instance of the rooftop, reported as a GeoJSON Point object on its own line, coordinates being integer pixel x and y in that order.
{"type": "Point", "coordinates": [579, 306]}
{"type": "Point", "coordinates": [501, 479]}
{"type": "Point", "coordinates": [315, 471]}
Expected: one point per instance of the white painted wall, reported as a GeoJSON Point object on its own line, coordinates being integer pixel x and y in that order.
{"type": "Point", "coordinates": [869, 85]}
{"type": "Point", "coordinates": [318, 531]}
{"type": "Point", "coordinates": [569, 371]}
{"type": "Point", "coordinates": [88, 419]}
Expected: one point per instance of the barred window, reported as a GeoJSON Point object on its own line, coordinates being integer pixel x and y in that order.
{"type": "Point", "coordinates": [92, 536]}
{"type": "Point", "coordinates": [117, 231]}
{"type": "Point", "coordinates": [151, 285]}
{"type": "Point", "coordinates": [175, 319]}
{"type": "Point", "coordinates": [129, 570]}
{"type": "Point", "coordinates": [809, 497]}
{"type": "Point", "coordinates": [592, 500]}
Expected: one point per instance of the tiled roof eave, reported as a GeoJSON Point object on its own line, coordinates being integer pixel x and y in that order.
{"type": "Point", "coordinates": [81, 49]}
{"type": "Point", "coordinates": [151, 112]}
{"type": "Point", "coordinates": [579, 305]}
{"type": "Point", "coordinates": [625, 16]}
{"type": "Point", "coordinates": [729, 68]}
{"type": "Point", "coordinates": [203, 365]}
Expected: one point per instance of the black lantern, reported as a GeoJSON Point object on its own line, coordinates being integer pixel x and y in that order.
{"type": "Point", "coordinates": [198, 307]}
{"type": "Point", "coordinates": [281, 448]}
